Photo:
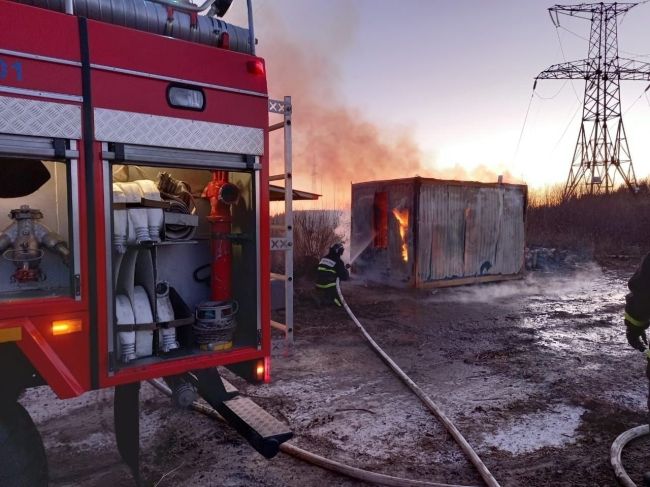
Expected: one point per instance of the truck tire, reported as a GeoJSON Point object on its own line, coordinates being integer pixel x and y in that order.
{"type": "Point", "coordinates": [22, 455]}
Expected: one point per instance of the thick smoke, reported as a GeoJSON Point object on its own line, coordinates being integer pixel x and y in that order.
{"type": "Point", "coordinates": [335, 144]}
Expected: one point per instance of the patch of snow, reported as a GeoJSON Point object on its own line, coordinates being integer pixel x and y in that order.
{"type": "Point", "coordinates": [531, 432]}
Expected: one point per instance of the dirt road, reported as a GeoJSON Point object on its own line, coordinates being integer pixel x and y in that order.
{"type": "Point", "coordinates": [535, 373]}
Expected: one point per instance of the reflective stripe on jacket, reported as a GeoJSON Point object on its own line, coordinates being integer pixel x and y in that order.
{"type": "Point", "coordinates": [634, 321]}
{"type": "Point", "coordinates": [637, 302]}
{"type": "Point", "coordinates": [329, 268]}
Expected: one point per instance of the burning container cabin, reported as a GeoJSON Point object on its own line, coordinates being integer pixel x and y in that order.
{"type": "Point", "coordinates": [424, 232]}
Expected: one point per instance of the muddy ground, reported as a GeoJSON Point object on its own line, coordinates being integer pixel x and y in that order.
{"type": "Point", "coordinates": [535, 373]}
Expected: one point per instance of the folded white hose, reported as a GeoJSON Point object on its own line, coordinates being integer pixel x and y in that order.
{"type": "Point", "coordinates": [138, 221]}
{"type": "Point", "coordinates": [120, 220]}
{"type": "Point", "coordinates": [433, 407]}
{"type": "Point", "coordinates": [124, 316]}
{"type": "Point", "coordinates": [307, 456]}
{"type": "Point", "coordinates": [617, 449]}
{"type": "Point", "coordinates": [166, 336]}
{"type": "Point", "coordinates": [154, 215]}
{"type": "Point", "coordinates": [143, 315]}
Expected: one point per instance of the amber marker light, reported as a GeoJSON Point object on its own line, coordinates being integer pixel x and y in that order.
{"type": "Point", "coordinates": [63, 327]}
{"type": "Point", "coordinates": [263, 370]}
{"type": "Point", "coordinates": [259, 370]}
{"type": "Point", "coordinates": [13, 334]}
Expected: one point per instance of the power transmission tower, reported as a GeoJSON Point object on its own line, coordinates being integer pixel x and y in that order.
{"type": "Point", "coordinates": [601, 150]}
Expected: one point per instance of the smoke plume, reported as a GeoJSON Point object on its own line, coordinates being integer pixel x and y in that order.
{"type": "Point", "coordinates": [335, 144]}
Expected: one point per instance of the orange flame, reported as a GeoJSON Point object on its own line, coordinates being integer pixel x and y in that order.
{"type": "Point", "coordinates": [402, 217]}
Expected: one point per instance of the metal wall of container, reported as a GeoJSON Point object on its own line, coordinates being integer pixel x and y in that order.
{"type": "Point", "coordinates": [382, 264]}
{"type": "Point", "coordinates": [458, 232]}
{"type": "Point", "coordinates": [469, 230]}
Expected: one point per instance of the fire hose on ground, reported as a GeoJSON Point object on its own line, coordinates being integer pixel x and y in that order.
{"type": "Point", "coordinates": [617, 449]}
{"type": "Point", "coordinates": [358, 473]}
{"type": "Point", "coordinates": [432, 406]}
{"type": "Point", "coordinates": [313, 458]}
{"type": "Point", "coordinates": [615, 452]}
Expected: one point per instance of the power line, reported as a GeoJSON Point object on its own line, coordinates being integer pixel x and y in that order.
{"type": "Point", "coordinates": [587, 39]}
{"type": "Point", "coordinates": [637, 99]}
{"type": "Point", "coordinates": [574, 33]}
{"type": "Point", "coordinates": [521, 134]}
{"type": "Point", "coordinates": [566, 129]}
{"type": "Point", "coordinates": [559, 39]}
{"type": "Point", "coordinates": [552, 96]}
{"type": "Point", "coordinates": [634, 53]}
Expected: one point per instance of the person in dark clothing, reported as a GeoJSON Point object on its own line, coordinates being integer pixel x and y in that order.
{"type": "Point", "coordinates": [637, 312]}
{"type": "Point", "coordinates": [329, 268]}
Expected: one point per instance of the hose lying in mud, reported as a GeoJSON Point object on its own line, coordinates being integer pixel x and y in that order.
{"type": "Point", "coordinates": [357, 473]}
{"type": "Point", "coordinates": [341, 468]}
{"type": "Point", "coordinates": [617, 449]}
{"type": "Point", "coordinates": [433, 407]}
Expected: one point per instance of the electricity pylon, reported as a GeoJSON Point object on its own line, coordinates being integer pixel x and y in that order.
{"type": "Point", "coordinates": [601, 150]}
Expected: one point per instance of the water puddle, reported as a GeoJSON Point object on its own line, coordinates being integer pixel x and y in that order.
{"type": "Point", "coordinates": [554, 428]}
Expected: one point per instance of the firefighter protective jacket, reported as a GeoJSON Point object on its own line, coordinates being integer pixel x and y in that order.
{"type": "Point", "coordinates": [637, 302]}
{"type": "Point", "coordinates": [329, 268]}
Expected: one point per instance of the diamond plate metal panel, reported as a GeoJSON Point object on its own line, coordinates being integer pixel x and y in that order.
{"type": "Point", "coordinates": [155, 130]}
{"type": "Point", "coordinates": [40, 118]}
{"type": "Point", "coordinates": [257, 418]}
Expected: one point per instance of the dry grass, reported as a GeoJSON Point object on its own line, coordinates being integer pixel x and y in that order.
{"type": "Point", "coordinates": [600, 224]}
{"type": "Point", "coordinates": [314, 232]}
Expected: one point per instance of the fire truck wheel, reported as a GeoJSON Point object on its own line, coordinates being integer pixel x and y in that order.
{"type": "Point", "coordinates": [22, 455]}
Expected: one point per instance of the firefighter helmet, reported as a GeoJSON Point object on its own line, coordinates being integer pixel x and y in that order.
{"type": "Point", "coordinates": [337, 249]}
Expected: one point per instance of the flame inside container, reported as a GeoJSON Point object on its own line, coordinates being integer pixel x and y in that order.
{"type": "Point", "coordinates": [402, 217]}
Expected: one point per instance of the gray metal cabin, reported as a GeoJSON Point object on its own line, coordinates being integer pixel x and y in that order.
{"type": "Point", "coordinates": [424, 232]}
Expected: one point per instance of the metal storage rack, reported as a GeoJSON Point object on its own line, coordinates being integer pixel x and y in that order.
{"type": "Point", "coordinates": [284, 243]}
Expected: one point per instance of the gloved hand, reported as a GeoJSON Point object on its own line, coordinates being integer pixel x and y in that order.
{"type": "Point", "coordinates": [636, 336]}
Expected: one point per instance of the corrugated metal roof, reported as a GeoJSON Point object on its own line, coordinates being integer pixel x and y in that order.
{"type": "Point", "coordinates": [447, 182]}
{"type": "Point", "coordinates": [277, 194]}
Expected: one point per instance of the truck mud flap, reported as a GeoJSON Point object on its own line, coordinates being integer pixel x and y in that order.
{"type": "Point", "coordinates": [126, 411]}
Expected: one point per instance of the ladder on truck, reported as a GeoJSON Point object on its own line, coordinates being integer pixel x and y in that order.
{"type": "Point", "coordinates": [284, 243]}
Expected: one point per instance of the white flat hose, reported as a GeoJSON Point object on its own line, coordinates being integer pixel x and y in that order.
{"type": "Point", "coordinates": [617, 449]}
{"type": "Point", "coordinates": [120, 220]}
{"type": "Point", "coordinates": [433, 407]}
{"type": "Point", "coordinates": [334, 466]}
{"type": "Point", "coordinates": [155, 217]}
{"type": "Point", "coordinates": [143, 315]}
{"type": "Point", "coordinates": [124, 316]}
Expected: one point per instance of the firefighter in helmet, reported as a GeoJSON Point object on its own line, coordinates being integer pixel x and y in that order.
{"type": "Point", "coordinates": [329, 268]}
{"type": "Point", "coordinates": [637, 311]}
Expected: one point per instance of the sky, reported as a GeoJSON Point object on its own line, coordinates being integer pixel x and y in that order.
{"type": "Point", "coordinates": [441, 87]}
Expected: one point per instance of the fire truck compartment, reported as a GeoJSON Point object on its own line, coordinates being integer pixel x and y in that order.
{"type": "Point", "coordinates": [37, 258]}
{"type": "Point", "coordinates": [163, 261]}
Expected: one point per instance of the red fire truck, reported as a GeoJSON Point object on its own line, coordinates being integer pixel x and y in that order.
{"type": "Point", "coordinates": [134, 192]}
